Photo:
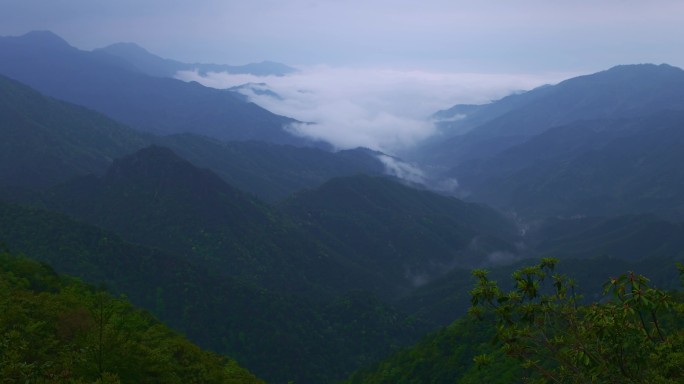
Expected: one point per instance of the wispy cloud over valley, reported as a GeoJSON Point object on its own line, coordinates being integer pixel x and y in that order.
{"type": "Point", "coordinates": [382, 109]}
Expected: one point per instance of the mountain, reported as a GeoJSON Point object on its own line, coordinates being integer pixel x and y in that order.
{"type": "Point", "coordinates": [116, 88]}
{"type": "Point", "coordinates": [279, 336]}
{"type": "Point", "coordinates": [269, 171]}
{"type": "Point", "coordinates": [450, 354]}
{"type": "Point", "coordinates": [261, 89]}
{"type": "Point", "coordinates": [411, 236]}
{"type": "Point", "coordinates": [340, 274]}
{"type": "Point", "coordinates": [587, 168]}
{"type": "Point", "coordinates": [463, 118]}
{"type": "Point", "coordinates": [54, 327]}
{"type": "Point", "coordinates": [588, 248]}
{"type": "Point", "coordinates": [154, 65]}
{"type": "Point", "coordinates": [632, 237]}
{"type": "Point", "coordinates": [445, 356]}
{"type": "Point", "coordinates": [625, 91]}
{"type": "Point", "coordinates": [46, 141]}
{"type": "Point", "coordinates": [155, 198]}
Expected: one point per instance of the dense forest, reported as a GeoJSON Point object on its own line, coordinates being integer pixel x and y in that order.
{"type": "Point", "coordinates": [543, 330]}
{"type": "Point", "coordinates": [56, 329]}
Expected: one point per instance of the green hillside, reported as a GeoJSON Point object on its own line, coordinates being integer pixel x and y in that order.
{"type": "Point", "coordinates": [412, 236]}
{"type": "Point", "coordinates": [157, 199]}
{"type": "Point", "coordinates": [281, 337]}
{"type": "Point", "coordinates": [588, 168]}
{"type": "Point", "coordinates": [624, 91]}
{"type": "Point", "coordinates": [269, 171]}
{"type": "Point", "coordinates": [305, 265]}
{"type": "Point", "coordinates": [46, 141]}
{"type": "Point", "coordinates": [57, 329]}
{"type": "Point", "coordinates": [534, 326]}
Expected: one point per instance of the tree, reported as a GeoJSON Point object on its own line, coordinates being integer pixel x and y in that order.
{"type": "Point", "coordinates": [634, 335]}
{"type": "Point", "coordinates": [56, 329]}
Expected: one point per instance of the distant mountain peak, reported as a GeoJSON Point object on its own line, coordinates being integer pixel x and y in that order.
{"type": "Point", "coordinates": [128, 89]}
{"type": "Point", "coordinates": [153, 155]}
{"type": "Point", "coordinates": [637, 71]}
{"type": "Point", "coordinates": [44, 39]}
{"type": "Point", "coordinates": [647, 66]}
{"type": "Point", "coordinates": [156, 152]}
{"type": "Point", "coordinates": [156, 164]}
{"type": "Point", "coordinates": [126, 47]}
{"type": "Point", "coordinates": [154, 65]}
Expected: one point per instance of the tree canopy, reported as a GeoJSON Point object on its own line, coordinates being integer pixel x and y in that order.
{"type": "Point", "coordinates": [633, 335]}
{"type": "Point", "coordinates": [56, 329]}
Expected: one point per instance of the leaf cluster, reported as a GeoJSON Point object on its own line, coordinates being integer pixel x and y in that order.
{"type": "Point", "coordinates": [632, 336]}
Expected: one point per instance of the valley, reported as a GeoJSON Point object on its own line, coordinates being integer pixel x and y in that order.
{"type": "Point", "coordinates": [297, 261]}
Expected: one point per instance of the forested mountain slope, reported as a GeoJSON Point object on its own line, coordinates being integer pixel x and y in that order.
{"type": "Point", "coordinates": [57, 329]}
{"type": "Point", "coordinates": [158, 199]}
{"type": "Point", "coordinates": [598, 167]}
{"type": "Point", "coordinates": [46, 141]}
{"type": "Point", "coordinates": [625, 91]}
{"type": "Point", "coordinates": [272, 172]}
{"type": "Point", "coordinates": [343, 270]}
{"type": "Point", "coordinates": [554, 329]}
{"type": "Point", "coordinates": [154, 65]}
{"type": "Point", "coordinates": [114, 87]}
{"type": "Point", "coordinates": [412, 236]}
{"type": "Point", "coordinates": [631, 237]}
{"type": "Point", "coordinates": [279, 336]}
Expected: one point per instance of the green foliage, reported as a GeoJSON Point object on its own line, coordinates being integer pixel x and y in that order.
{"type": "Point", "coordinates": [634, 336]}
{"type": "Point", "coordinates": [57, 330]}
{"type": "Point", "coordinates": [278, 336]}
{"type": "Point", "coordinates": [444, 357]}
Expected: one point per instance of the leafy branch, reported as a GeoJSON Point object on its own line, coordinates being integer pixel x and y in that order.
{"type": "Point", "coordinates": [620, 340]}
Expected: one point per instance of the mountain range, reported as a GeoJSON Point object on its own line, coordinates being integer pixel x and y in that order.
{"type": "Point", "coordinates": [595, 167]}
{"type": "Point", "coordinates": [625, 91]}
{"type": "Point", "coordinates": [205, 242]}
{"type": "Point", "coordinates": [589, 168]}
{"type": "Point", "coordinates": [304, 264]}
{"type": "Point", "coordinates": [602, 144]}
{"type": "Point", "coordinates": [180, 241]}
{"type": "Point", "coordinates": [115, 87]}
{"type": "Point", "coordinates": [154, 65]}
{"type": "Point", "coordinates": [48, 141]}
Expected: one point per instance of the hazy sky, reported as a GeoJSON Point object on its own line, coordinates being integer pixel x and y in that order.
{"type": "Point", "coordinates": [475, 35]}
{"type": "Point", "coordinates": [373, 71]}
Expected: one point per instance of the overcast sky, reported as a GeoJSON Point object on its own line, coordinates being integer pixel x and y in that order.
{"type": "Point", "coordinates": [482, 35]}
{"type": "Point", "coordinates": [373, 71]}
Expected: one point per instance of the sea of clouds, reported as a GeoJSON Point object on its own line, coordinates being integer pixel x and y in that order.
{"type": "Point", "coordinates": [388, 110]}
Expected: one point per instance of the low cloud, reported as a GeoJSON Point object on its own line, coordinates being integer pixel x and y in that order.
{"type": "Point", "coordinates": [451, 119]}
{"type": "Point", "coordinates": [382, 109]}
{"type": "Point", "coordinates": [403, 170]}
{"type": "Point", "coordinates": [414, 174]}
